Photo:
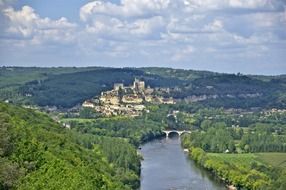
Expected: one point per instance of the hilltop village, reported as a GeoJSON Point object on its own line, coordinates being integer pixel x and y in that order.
{"type": "Point", "coordinates": [127, 100]}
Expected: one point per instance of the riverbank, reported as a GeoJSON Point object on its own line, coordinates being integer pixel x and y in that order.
{"type": "Point", "coordinates": [247, 171]}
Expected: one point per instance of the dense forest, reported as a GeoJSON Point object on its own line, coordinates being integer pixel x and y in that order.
{"type": "Point", "coordinates": [38, 153]}
{"type": "Point", "coordinates": [231, 117]}
{"type": "Point", "coordinates": [219, 138]}
{"type": "Point", "coordinates": [136, 130]}
{"type": "Point", "coordinates": [231, 145]}
{"type": "Point", "coordinates": [67, 87]}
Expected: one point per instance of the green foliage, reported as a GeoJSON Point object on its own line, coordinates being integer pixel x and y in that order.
{"type": "Point", "coordinates": [37, 153]}
{"type": "Point", "coordinates": [13, 76]}
{"type": "Point", "coordinates": [12, 80]}
{"type": "Point", "coordinates": [280, 182]}
{"type": "Point", "coordinates": [67, 87]}
{"type": "Point", "coordinates": [100, 153]}
{"type": "Point", "coordinates": [10, 173]}
{"type": "Point", "coordinates": [67, 90]}
{"type": "Point", "coordinates": [117, 151]}
{"type": "Point", "coordinates": [136, 130]}
{"type": "Point", "coordinates": [242, 170]}
{"type": "Point", "coordinates": [215, 139]}
{"type": "Point", "coordinates": [263, 141]}
{"type": "Point", "coordinates": [88, 113]}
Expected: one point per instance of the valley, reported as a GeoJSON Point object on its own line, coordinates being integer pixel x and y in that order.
{"type": "Point", "coordinates": [100, 118]}
{"type": "Point", "coordinates": [142, 95]}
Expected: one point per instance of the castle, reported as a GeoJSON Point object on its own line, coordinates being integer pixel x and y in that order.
{"type": "Point", "coordinates": [137, 85]}
{"type": "Point", "coordinates": [126, 100]}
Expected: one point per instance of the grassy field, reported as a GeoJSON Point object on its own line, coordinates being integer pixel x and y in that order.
{"type": "Point", "coordinates": [80, 120]}
{"type": "Point", "coordinates": [84, 120]}
{"type": "Point", "coordinates": [236, 159]}
{"type": "Point", "coordinates": [274, 159]}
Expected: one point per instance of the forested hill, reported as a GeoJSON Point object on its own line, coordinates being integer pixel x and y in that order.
{"type": "Point", "coordinates": [37, 153]}
{"type": "Point", "coordinates": [67, 87]}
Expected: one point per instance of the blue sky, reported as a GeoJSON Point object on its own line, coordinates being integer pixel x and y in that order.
{"type": "Point", "coordinates": [247, 36]}
{"type": "Point", "coordinates": [55, 9]}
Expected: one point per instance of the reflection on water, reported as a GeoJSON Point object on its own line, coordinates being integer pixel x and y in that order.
{"type": "Point", "coordinates": [166, 167]}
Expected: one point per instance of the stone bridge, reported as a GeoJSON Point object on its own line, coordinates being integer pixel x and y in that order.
{"type": "Point", "coordinates": [167, 132]}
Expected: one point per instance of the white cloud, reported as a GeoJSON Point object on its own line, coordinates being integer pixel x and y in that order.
{"type": "Point", "coordinates": [115, 29]}
{"type": "Point", "coordinates": [215, 26]}
{"type": "Point", "coordinates": [155, 31]}
{"type": "Point", "coordinates": [26, 24]}
{"type": "Point", "coordinates": [228, 4]}
{"type": "Point", "coordinates": [130, 20]}
{"type": "Point", "coordinates": [127, 8]}
{"type": "Point", "coordinates": [249, 3]}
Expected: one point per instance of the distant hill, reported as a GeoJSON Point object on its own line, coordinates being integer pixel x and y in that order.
{"type": "Point", "coordinates": [67, 87]}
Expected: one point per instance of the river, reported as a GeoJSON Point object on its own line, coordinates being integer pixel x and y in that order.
{"type": "Point", "coordinates": [167, 167]}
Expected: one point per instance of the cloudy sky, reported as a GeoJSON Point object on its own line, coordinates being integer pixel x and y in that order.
{"type": "Point", "coordinates": [247, 36]}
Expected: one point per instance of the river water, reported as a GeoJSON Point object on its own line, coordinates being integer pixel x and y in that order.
{"type": "Point", "coordinates": [167, 167]}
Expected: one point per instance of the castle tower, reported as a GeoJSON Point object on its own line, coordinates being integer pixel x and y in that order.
{"type": "Point", "coordinates": [117, 86]}
{"type": "Point", "coordinates": [138, 85]}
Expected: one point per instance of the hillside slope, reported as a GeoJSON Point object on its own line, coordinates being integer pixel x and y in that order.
{"type": "Point", "coordinates": [67, 87]}
{"type": "Point", "coordinates": [37, 153]}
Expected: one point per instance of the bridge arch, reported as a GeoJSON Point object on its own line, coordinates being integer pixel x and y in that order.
{"type": "Point", "coordinates": [182, 132]}
{"type": "Point", "coordinates": [172, 133]}
{"type": "Point", "coordinates": [168, 132]}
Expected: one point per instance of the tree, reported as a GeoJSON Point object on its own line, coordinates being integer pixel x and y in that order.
{"type": "Point", "coordinates": [206, 124]}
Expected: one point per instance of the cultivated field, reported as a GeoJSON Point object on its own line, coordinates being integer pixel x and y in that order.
{"type": "Point", "coordinates": [236, 159]}
{"type": "Point", "coordinates": [274, 159]}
